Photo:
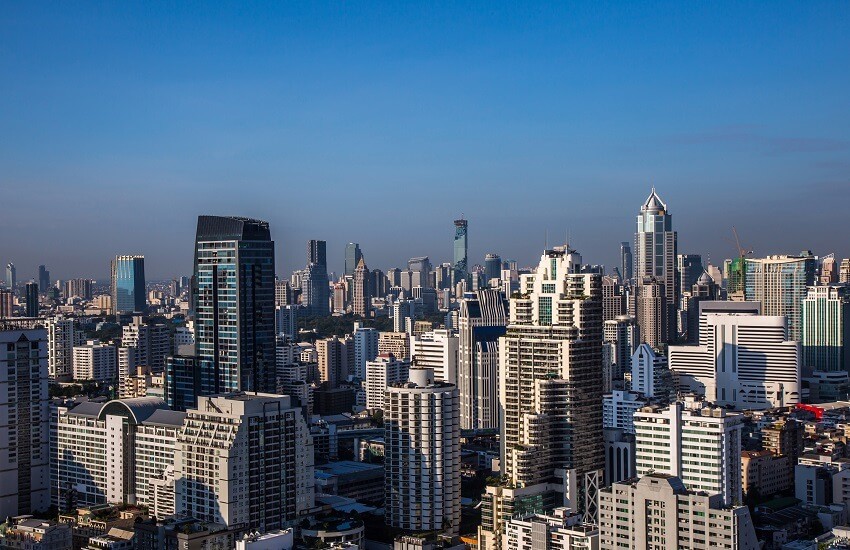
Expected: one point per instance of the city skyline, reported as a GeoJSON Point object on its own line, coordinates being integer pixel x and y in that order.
{"type": "Point", "coordinates": [323, 107]}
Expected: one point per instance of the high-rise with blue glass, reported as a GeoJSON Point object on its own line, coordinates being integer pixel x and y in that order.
{"type": "Point", "coordinates": [461, 269]}
{"type": "Point", "coordinates": [128, 284]}
{"type": "Point", "coordinates": [234, 305]}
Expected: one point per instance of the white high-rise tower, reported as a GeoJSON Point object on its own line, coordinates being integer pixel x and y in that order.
{"type": "Point", "coordinates": [655, 255]}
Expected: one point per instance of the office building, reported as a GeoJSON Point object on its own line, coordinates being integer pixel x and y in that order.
{"type": "Point", "coordinates": [245, 460]}
{"type": "Point", "coordinates": [282, 293]}
{"type": "Point", "coordinates": [352, 257]}
{"type": "Point", "coordinates": [95, 360]}
{"type": "Point", "coordinates": [658, 512]}
{"type": "Point", "coordinates": [43, 279]}
{"type": "Point", "coordinates": [234, 305]}
{"type": "Point", "coordinates": [397, 343]}
{"type": "Point", "coordinates": [31, 299]}
{"type": "Point", "coordinates": [128, 284]}
{"type": "Point", "coordinates": [286, 320]}
{"type": "Point", "coordinates": [336, 359]}
{"type": "Point", "coordinates": [181, 382]}
{"type": "Point", "coordinates": [365, 348]}
{"type": "Point", "coordinates": [382, 372]}
{"type": "Point", "coordinates": [7, 303]}
{"type": "Point", "coordinates": [436, 350]}
{"type": "Point", "coordinates": [482, 320]}
{"type": "Point", "coordinates": [152, 343]}
{"type": "Point", "coordinates": [419, 272]}
{"type": "Point", "coordinates": [361, 295]}
{"type": "Point", "coordinates": [315, 291]}
{"type": "Point", "coordinates": [655, 262]}
{"type": "Point", "coordinates": [613, 298]}
{"type": "Point", "coordinates": [422, 460]}
{"type": "Point", "coordinates": [80, 288]}
{"type": "Point", "coordinates": [688, 269]}
{"type": "Point", "coordinates": [624, 336]}
{"type": "Point", "coordinates": [460, 266]}
{"type": "Point", "coordinates": [826, 328]}
{"type": "Point", "coordinates": [652, 312]}
{"type": "Point", "coordinates": [550, 384]}
{"type": "Point", "coordinates": [63, 334]}
{"type": "Point", "coordinates": [24, 421]}
{"type": "Point", "coordinates": [695, 441]}
{"type": "Point", "coordinates": [743, 360]}
{"type": "Point", "coordinates": [619, 408]}
{"type": "Point", "coordinates": [492, 268]}
{"type": "Point", "coordinates": [626, 262]}
{"type": "Point", "coordinates": [650, 375]}
{"type": "Point", "coordinates": [11, 277]}
{"type": "Point", "coordinates": [844, 271]}
{"type": "Point", "coordinates": [781, 283]}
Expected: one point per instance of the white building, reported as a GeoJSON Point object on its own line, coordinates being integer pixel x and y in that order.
{"type": "Point", "coordinates": [437, 350]}
{"type": "Point", "coordinates": [184, 339]}
{"type": "Point", "coordinates": [701, 445]}
{"type": "Point", "coordinates": [155, 447]}
{"type": "Point", "coordinates": [658, 512]}
{"type": "Point", "coordinates": [245, 459]}
{"type": "Point", "coordinates": [559, 530]}
{"type": "Point", "coordinates": [62, 335]}
{"type": "Point", "coordinates": [623, 333]}
{"type": "Point", "coordinates": [95, 361]}
{"type": "Point", "coordinates": [382, 372]}
{"type": "Point", "coordinates": [24, 427]}
{"type": "Point", "coordinates": [650, 375]}
{"type": "Point", "coordinates": [127, 367]}
{"type": "Point", "coordinates": [152, 343]}
{"type": "Point", "coordinates": [365, 348]}
{"type": "Point", "coordinates": [742, 360]}
{"type": "Point", "coordinates": [619, 408]}
{"type": "Point", "coordinates": [422, 461]}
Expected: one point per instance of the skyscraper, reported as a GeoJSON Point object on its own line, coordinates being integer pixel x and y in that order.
{"type": "Point", "coordinates": [128, 284]}
{"type": "Point", "coordinates": [461, 252]}
{"type": "Point", "coordinates": [653, 312]}
{"type": "Point", "coordinates": [362, 297]}
{"type": "Point", "coordinates": [352, 257]}
{"type": "Point", "coordinates": [43, 279]}
{"type": "Point", "coordinates": [481, 322]}
{"type": "Point", "coordinates": [315, 289]}
{"type": "Point", "coordinates": [550, 386]}
{"type": "Point", "coordinates": [422, 435]}
{"type": "Point", "coordinates": [826, 328]}
{"type": "Point", "coordinates": [492, 268]}
{"type": "Point", "coordinates": [234, 305]}
{"type": "Point", "coordinates": [780, 283]}
{"type": "Point", "coordinates": [419, 270]}
{"type": "Point", "coordinates": [31, 295]}
{"type": "Point", "coordinates": [688, 268]}
{"type": "Point", "coordinates": [626, 262]}
{"type": "Point", "coordinates": [63, 334]}
{"type": "Point", "coordinates": [11, 276]}
{"type": "Point", "coordinates": [655, 249]}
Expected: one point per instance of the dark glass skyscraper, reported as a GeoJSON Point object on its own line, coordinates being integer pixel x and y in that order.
{"type": "Point", "coordinates": [128, 284]}
{"type": "Point", "coordinates": [234, 305]}
{"type": "Point", "coordinates": [626, 262]}
{"type": "Point", "coordinates": [43, 278]}
{"type": "Point", "coordinates": [31, 294]}
{"type": "Point", "coordinates": [461, 249]}
{"type": "Point", "coordinates": [352, 257]}
{"type": "Point", "coordinates": [315, 290]}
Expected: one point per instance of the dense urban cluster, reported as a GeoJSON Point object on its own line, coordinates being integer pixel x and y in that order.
{"type": "Point", "coordinates": [664, 403]}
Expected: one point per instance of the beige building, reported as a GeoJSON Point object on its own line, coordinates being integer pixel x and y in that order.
{"type": "Point", "coordinates": [765, 473]}
{"type": "Point", "coordinates": [397, 343]}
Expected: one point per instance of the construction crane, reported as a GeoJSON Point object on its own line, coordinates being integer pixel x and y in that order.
{"type": "Point", "coordinates": [742, 252]}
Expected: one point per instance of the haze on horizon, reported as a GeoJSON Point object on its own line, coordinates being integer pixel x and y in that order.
{"type": "Point", "coordinates": [381, 123]}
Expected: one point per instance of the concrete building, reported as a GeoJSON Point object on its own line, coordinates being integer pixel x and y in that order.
{"type": "Point", "coordinates": [460, 267]}
{"type": "Point", "coordinates": [650, 375]}
{"type": "Point", "coordinates": [764, 473]}
{"type": "Point", "coordinates": [353, 255]}
{"type": "Point", "coordinates": [128, 284]}
{"type": "Point", "coordinates": [826, 328]}
{"type": "Point", "coordinates": [560, 530]}
{"type": "Point", "coordinates": [396, 343]}
{"type": "Point", "coordinates": [95, 360]}
{"type": "Point", "coordinates": [361, 293]}
{"type": "Point", "coordinates": [336, 359]}
{"type": "Point", "coordinates": [746, 361]}
{"type": "Point", "coordinates": [619, 455]}
{"type": "Point", "coordinates": [481, 322]}
{"type": "Point", "coordinates": [365, 348]}
{"type": "Point", "coordinates": [27, 533]}
{"type": "Point", "coordinates": [653, 312]}
{"type": "Point", "coordinates": [63, 334]}
{"type": "Point", "coordinates": [780, 283]}
{"type": "Point", "coordinates": [382, 372]}
{"type": "Point", "coordinates": [152, 343]}
{"type": "Point", "coordinates": [422, 434]}
{"type": "Point", "coordinates": [657, 512]}
{"type": "Point", "coordinates": [286, 320]}
{"type": "Point", "coordinates": [24, 427]}
{"type": "Point", "coordinates": [619, 408]}
{"type": "Point", "coordinates": [245, 460]}
{"type": "Point", "coordinates": [696, 442]}
{"type": "Point", "coordinates": [613, 298]}
{"type": "Point", "coordinates": [624, 336]}
{"type": "Point", "coordinates": [436, 350]}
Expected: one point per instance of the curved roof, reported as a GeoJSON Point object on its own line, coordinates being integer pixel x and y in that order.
{"type": "Point", "coordinates": [137, 408]}
{"type": "Point", "coordinates": [654, 204]}
{"type": "Point", "coordinates": [705, 279]}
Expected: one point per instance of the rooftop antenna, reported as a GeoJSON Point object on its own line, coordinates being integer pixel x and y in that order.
{"type": "Point", "coordinates": [546, 240]}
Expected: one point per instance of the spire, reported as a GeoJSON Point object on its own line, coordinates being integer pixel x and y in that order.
{"type": "Point", "coordinates": [361, 263]}
{"type": "Point", "coordinates": [654, 204]}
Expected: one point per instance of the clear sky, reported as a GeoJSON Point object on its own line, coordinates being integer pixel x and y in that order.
{"type": "Point", "coordinates": [380, 123]}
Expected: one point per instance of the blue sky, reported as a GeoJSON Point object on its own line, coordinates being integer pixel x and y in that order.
{"type": "Point", "coordinates": [382, 122]}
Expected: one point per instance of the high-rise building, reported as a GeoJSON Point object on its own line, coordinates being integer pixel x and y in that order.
{"type": "Point", "coordinates": [481, 322]}
{"type": "Point", "coordinates": [780, 283]}
{"type": "Point", "coordinates": [697, 442]}
{"type": "Point", "coordinates": [436, 350]}
{"type": "Point", "coordinates": [828, 273]}
{"type": "Point", "coordinates": [397, 343]}
{"type": "Point", "coordinates": [24, 421]}
{"type": "Point", "coordinates": [315, 286]}
{"type": "Point", "coordinates": [461, 252]}
{"type": "Point", "coordinates": [743, 360]}
{"type": "Point", "coordinates": [613, 298]}
{"type": "Point", "coordinates": [382, 372]}
{"type": "Point", "coordinates": [653, 312]}
{"type": "Point", "coordinates": [7, 303]}
{"type": "Point", "coordinates": [658, 512]}
{"type": "Point", "coordinates": [282, 293]}
{"type": "Point", "coordinates": [95, 360]}
{"type": "Point", "coordinates": [365, 348]}
{"type": "Point", "coordinates": [826, 328]}
{"type": "Point", "coordinates": [352, 257]}
{"type": "Point", "coordinates": [626, 262]}
{"type": "Point", "coordinates": [422, 457]}
{"type": "Point", "coordinates": [152, 343]}
{"type": "Point", "coordinates": [234, 305]}
{"type": "Point", "coordinates": [688, 269]}
{"type": "Point", "coordinates": [336, 359]}
{"type": "Point", "coordinates": [378, 283]}
{"type": "Point", "coordinates": [63, 334]}
{"type": "Point", "coordinates": [492, 267]}
{"type": "Point", "coordinates": [43, 278]}
{"type": "Point", "coordinates": [419, 272]}
{"type": "Point", "coordinates": [650, 375]}
{"type": "Point", "coordinates": [31, 299]}
{"type": "Point", "coordinates": [81, 288]}
{"type": "Point", "coordinates": [245, 459]}
{"type": "Point", "coordinates": [655, 260]}
{"type": "Point", "coordinates": [362, 297]}
{"type": "Point", "coordinates": [623, 334]}
{"type": "Point", "coordinates": [844, 271]}
{"type": "Point", "coordinates": [128, 284]}
{"type": "Point", "coordinates": [550, 384]}
{"type": "Point", "coordinates": [286, 320]}
{"type": "Point", "coordinates": [11, 277]}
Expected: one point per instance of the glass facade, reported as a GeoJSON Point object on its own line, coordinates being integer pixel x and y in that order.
{"type": "Point", "coordinates": [128, 284]}
{"type": "Point", "coordinates": [461, 268]}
